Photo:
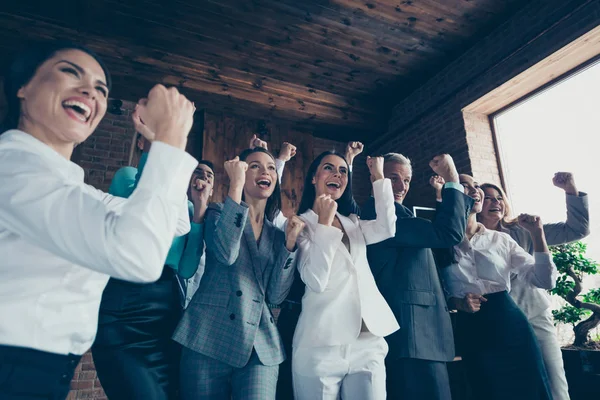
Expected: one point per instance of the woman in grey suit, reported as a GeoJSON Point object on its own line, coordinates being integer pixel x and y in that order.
{"type": "Point", "coordinates": [535, 303]}
{"type": "Point", "coordinates": [231, 346]}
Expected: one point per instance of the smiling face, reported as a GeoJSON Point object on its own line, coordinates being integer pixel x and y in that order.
{"type": "Point", "coordinates": [400, 175]}
{"type": "Point", "coordinates": [261, 176]}
{"type": "Point", "coordinates": [331, 177]}
{"type": "Point", "coordinates": [65, 99]}
{"type": "Point", "coordinates": [472, 189]}
{"type": "Point", "coordinates": [494, 207]}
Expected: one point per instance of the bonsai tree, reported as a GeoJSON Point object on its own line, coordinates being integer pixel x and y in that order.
{"type": "Point", "coordinates": [582, 311]}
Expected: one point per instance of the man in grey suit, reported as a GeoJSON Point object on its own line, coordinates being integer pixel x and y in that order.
{"type": "Point", "coordinates": [406, 275]}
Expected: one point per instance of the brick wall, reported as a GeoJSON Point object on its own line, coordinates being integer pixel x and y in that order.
{"type": "Point", "coordinates": [430, 120]}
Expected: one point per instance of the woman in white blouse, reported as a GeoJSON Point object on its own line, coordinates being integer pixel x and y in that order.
{"type": "Point", "coordinates": [497, 344]}
{"type": "Point", "coordinates": [338, 346]}
{"type": "Point", "coordinates": [61, 239]}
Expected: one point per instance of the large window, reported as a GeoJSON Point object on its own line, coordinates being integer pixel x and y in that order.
{"type": "Point", "coordinates": [557, 129]}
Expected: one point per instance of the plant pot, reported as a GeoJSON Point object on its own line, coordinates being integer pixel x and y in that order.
{"type": "Point", "coordinates": [582, 368]}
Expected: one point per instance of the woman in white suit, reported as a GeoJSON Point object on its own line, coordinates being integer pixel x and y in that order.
{"type": "Point", "coordinates": [338, 345]}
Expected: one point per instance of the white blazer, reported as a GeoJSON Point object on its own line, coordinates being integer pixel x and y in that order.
{"type": "Point", "coordinates": [340, 288]}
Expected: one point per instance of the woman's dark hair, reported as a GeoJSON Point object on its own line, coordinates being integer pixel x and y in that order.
{"type": "Point", "coordinates": [346, 203]}
{"type": "Point", "coordinates": [274, 201]}
{"type": "Point", "coordinates": [25, 65]}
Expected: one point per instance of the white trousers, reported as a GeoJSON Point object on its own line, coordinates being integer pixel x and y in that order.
{"type": "Point", "coordinates": [548, 340]}
{"type": "Point", "coordinates": [352, 371]}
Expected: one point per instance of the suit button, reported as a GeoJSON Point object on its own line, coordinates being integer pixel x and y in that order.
{"type": "Point", "coordinates": [232, 316]}
{"type": "Point", "coordinates": [239, 293]}
{"type": "Point", "coordinates": [271, 319]}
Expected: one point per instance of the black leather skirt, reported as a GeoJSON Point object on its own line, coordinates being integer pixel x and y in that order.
{"type": "Point", "coordinates": [134, 355]}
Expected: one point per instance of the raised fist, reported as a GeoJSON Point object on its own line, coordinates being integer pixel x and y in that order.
{"type": "Point", "coordinates": [256, 142]}
{"type": "Point", "coordinates": [532, 223]}
{"type": "Point", "coordinates": [352, 150]}
{"type": "Point", "coordinates": [375, 165]}
{"type": "Point", "coordinates": [437, 182]}
{"type": "Point", "coordinates": [165, 115]}
{"type": "Point", "coordinates": [236, 171]}
{"type": "Point", "coordinates": [287, 151]}
{"type": "Point", "coordinates": [566, 182]}
{"type": "Point", "coordinates": [443, 165]}
{"type": "Point", "coordinates": [295, 225]}
{"type": "Point", "coordinates": [325, 208]}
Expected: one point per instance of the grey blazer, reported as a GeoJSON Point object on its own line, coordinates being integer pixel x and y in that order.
{"type": "Point", "coordinates": [406, 275]}
{"type": "Point", "coordinates": [228, 316]}
{"type": "Point", "coordinates": [577, 225]}
{"type": "Point", "coordinates": [534, 301]}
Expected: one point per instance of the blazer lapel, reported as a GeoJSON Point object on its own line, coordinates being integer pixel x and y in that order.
{"type": "Point", "coordinates": [253, 252]}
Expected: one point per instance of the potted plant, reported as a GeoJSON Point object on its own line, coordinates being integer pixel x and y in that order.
{"type": "Point", "coordinates": [582, 358]}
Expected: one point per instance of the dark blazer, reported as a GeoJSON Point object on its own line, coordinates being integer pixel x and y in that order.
{"type": "Point", "coordinates": [228, 315]}
{"type": "Point", "coordinates": [406, 275]}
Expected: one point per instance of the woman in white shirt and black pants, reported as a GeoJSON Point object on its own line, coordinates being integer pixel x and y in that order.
{"type": "Point", "coordinates": [61, 239]}
{"type": "Point", "coordinates": [338, 346]}
{"type": "Point", "coordinates": [498, 346]}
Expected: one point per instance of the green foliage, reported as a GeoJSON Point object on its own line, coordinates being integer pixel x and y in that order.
{"type": "Point", "coordinates": [571, 257]}
{"type": "Point", "coordinates": [593, 296]}
{"type": "Point", "coordinates": [564, 284]}
{"type": "Point", "coordinates": [569, 314]}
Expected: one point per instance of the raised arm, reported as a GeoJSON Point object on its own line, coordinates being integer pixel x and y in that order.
{"type": "Point", "coordinates": [538, 270]}
{"type": "Point", "coordinates": [127, 239]}
{"type": "Point", "coordinates": [317, 247]}
{"type": "Point", "coordinates": [577, 225]}
{"type": "Point", "coordinates": [384, 225]}
{"type": "Point", "coordinates": [225, 226]}
{"type": "Point", "coordinates": [282, 276]}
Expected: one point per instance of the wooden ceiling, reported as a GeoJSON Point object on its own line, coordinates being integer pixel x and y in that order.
{"type": "Point", "coordinates": [330, 64]}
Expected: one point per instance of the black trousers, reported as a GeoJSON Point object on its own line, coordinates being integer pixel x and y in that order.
{"type": "Point", "coordinates": [501, 355]}
{"type": "Point", "coordinates": [134, 355]}
{"type": "Point", "coordinates": [286, 323]}
{"type": "Point", "coordinates": [28, 374]}
{"type": "Point", "coordinates": [414, 379]}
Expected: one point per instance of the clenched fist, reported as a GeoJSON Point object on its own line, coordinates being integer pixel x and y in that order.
{"type": "Point", "coordinates": [256, 142]}
{"type": "Point", "coordinates": [566, 182]}
{"type": "Point", "coordinates": [443, 165]}
{"type": "Point", "coordinates": [375, 165]}
{"type": "Point", "coordinates": [295, 225]}
{"type": "Point", "coordinates": [532, 223]}
{"type": "Point", "coordinates": [325, 207]}
{"type": "Point", "coordinates": [166, 115]}
{"type": "Point", "coordinates": [287, 152]}
{"type": "Point", "coordinates": [437, 182]}
{"type": "Point", "coordinates": [236, 171]}
{"type": "Point", "coordinates": [471, 303]}
{"type": "Point", "coordinates": [353, 149]}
